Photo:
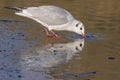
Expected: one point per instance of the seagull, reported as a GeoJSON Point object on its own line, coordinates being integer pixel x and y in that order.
{"type": "Point", "coordinates": [52, 18]}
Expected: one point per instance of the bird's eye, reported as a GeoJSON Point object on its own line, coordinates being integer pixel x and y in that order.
{"type": "Point", "coordinates": [81, 28]}
{"type": "Point", "coordinates": [77, 24]}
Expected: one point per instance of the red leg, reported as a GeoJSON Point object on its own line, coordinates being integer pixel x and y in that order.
{"type": "Point", "coordinates": [47, 41]}
{"type": "Point", "coordinates": [54, 34]}
{"type": "Point", "coordinates": [47, 32]}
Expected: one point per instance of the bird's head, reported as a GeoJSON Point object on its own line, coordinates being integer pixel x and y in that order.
{"type": "Point", "coordinates": [79, 28]}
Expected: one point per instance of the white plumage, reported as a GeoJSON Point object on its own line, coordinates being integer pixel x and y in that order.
{"type": "Point", "coordinates": [52, 18]}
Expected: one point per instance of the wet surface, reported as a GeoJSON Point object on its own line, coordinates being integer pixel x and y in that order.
{"type": "Point", "coordinates": [27, 54]}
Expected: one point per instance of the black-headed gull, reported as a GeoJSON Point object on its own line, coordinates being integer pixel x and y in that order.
{"type": "Point", "coordinates": [52, 18]}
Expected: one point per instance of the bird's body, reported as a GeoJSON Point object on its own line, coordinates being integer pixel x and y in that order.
{"type": "Point", "coordinates": [51, 17]}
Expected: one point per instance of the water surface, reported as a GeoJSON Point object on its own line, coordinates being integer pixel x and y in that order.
{"type": "Point", "coordinates": [27, 54]}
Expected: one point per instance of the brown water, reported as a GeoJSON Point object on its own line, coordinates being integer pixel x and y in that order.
{"type": "Point", "coordinates": [26, 53]}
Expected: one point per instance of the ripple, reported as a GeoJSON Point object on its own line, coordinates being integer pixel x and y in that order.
{"type": "Point", "coordinates": [89, 36]}
{"type": "Point", "coordinates": [78, 75]}
{"type": "Point", "coordinates": [10, 20]}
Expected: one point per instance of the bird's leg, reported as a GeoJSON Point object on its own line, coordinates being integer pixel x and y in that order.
{"type": "Point", "coordinates": [54, 34]}
{"type": "Point", "coordinates": [47, 41]}
{"type": "Point", "coordinates": [47, 32]}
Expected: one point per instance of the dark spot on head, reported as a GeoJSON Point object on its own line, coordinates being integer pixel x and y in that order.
{"type": "Point", "coordinates": [76, 48]}
{"type": "Point", "coordinates": [80, 45]}
{"type": "Point", "coordinates": [77, 24]}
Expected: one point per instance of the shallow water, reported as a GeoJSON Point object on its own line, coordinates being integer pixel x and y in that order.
{"type": "Point", "coordinates": [27, 54]}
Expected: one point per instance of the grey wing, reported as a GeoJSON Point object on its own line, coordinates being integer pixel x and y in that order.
{"type": "Point", "coordinates": [50, 15]}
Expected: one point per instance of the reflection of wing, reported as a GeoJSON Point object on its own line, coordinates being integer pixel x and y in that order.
{"type": "Point", "coordinates": [53, 55]}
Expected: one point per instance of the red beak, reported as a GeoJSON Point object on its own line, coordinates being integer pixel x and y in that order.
{"type": "Point", "coordinates": [83, 35]}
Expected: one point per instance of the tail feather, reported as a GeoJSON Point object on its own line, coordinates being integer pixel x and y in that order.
{"type": "Point", "coordinates": [14, 8]}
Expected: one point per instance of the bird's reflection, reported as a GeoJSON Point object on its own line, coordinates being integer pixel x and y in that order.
{"type": "Point", "coordinates": [52, 54]}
